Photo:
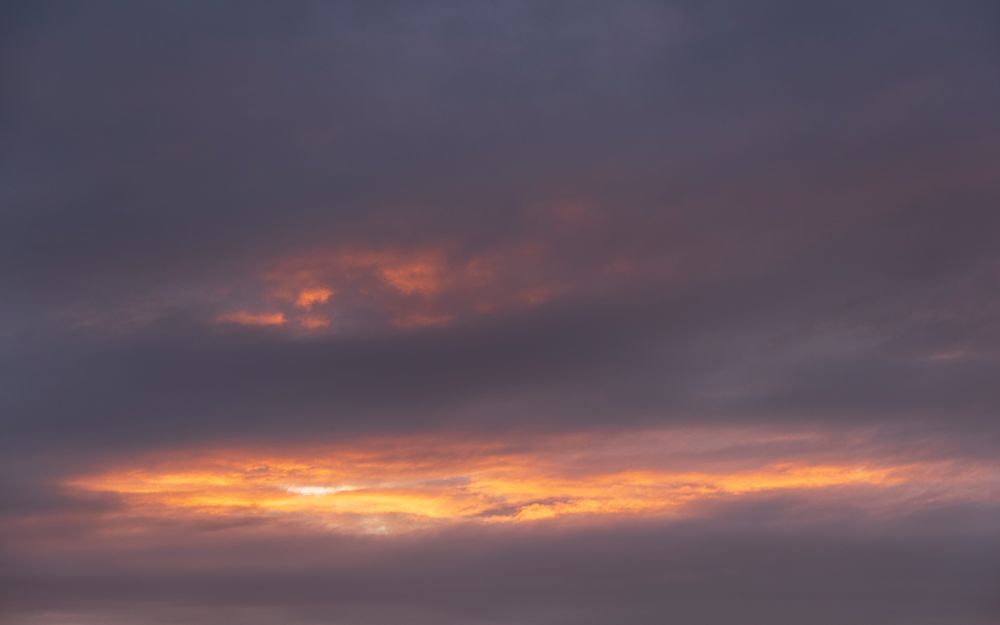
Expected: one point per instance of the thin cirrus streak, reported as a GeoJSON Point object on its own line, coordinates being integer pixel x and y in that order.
{"type": "Point", "coordinates": [392, 486]}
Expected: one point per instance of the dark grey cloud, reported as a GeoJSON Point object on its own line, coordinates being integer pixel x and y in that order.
{"type": "Point", "coordinates": [686, 357]}
{"type": "Point", "coordinates": [151, 144]}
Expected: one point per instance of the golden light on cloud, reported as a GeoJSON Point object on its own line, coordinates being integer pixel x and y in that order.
{"type": "Point", "coordinates": [413, 287]}
{"type": "Point", "coordinates": [420, 273]}
{"type": "Point", "coordinates": [245, 318]}
{"type": "Point", "coordinates": [403, 484]}
{"type": "Point", "coordinates": [401, 285]}
{"type": "Point", "coordinates": [308, 298]}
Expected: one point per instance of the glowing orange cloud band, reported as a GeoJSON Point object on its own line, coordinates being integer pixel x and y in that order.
{"type": "Point", "coordinates": [385, 486]}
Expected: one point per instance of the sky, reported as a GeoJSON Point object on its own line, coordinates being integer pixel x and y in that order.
{"type": "Point", "coordinates": [499, 313]}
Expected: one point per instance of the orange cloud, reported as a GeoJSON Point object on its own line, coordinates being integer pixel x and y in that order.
{"type": "Point", "coordinates": [310, 297]}
{"type": "Point", "coordinates": [245, 318]}
{"type": "Point", "coordinates": [441, 283]}
{"type": "Point", "coordinates": [411, 287]}
{"type": "Point", "coordinates": [391, 485]}
{"type": "Point", "coordinates": [421, 274]}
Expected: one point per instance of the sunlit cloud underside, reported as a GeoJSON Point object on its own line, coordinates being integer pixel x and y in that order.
{"type": "Point", "coordinates": [383, 485]}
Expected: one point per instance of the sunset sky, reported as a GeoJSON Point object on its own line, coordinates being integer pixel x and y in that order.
{"type": "Point", "coordinates": [548, 312]}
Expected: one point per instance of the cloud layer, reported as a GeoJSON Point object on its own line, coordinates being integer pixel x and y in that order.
{"type": "Point", "coordinates": [629, 248]}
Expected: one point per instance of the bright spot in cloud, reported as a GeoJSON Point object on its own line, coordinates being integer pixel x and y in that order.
{"type": "Point", "coordinates": [310, 297]}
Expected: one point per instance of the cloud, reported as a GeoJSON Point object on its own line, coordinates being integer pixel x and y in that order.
{"type": "Point", "coordinates": [398, 484]}
{"type": "Point", "coordinates": [244, 226]}
{"type": "Point", "coordinates": [746, 562]}
{"type": "Point", "coordinates": [245, 318]}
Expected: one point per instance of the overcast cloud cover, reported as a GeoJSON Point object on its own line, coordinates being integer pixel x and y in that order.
{"type": "Point", "coordinates": [518, 221]}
